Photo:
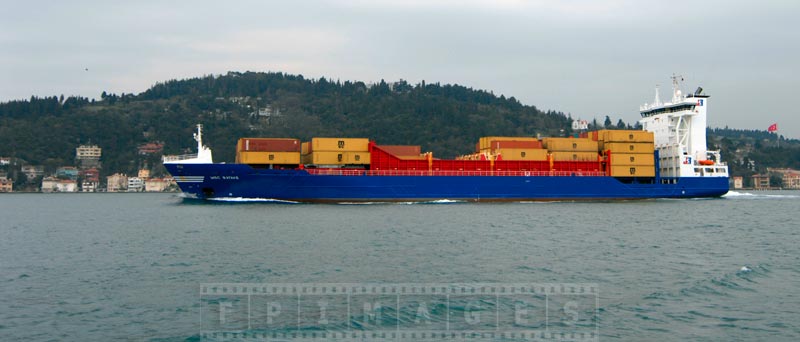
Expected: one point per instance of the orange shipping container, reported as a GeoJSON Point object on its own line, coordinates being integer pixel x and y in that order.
{"type": "Point", "coordinates": [574, 156]}
{"type": "Point", "coordinates": [485, 142]}
{"type": "Point", "coordinates": [570, 144]}
{"type": "Point", "coordinates": [629, 147]}
{"type": "Point", "coordinates": [521, 154]}
{"type": "Point", "coordinates": [277, 158]}
{"type": "Point", "coordinates": [504, 144]}
{"type": "Point", "coordinates": [632, 171]}
{"type": "Point", "coordinates": [626, 136]}
{"type": "Point", "coordinates": [339, 144]}
{"type": "Point", "coordinates": [358, 158]}
{"type": "Point", "coordinates": [337, 158]}
{"type": "Point", "coordinates": [643, 159]}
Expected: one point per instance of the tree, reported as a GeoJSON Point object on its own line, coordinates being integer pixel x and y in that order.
{"type": "Point", "coordinates": [607, 122]}
{"type": "Point", "coordinates": [775, 180]}
{"type": "Point", "coordinates": [620, 124]}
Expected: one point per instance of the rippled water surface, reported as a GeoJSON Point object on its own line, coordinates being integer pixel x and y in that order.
{"type": "Point", "coordinates": [97, 267]}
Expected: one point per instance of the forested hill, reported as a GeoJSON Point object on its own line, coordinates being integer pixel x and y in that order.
{"type": "Point", "coordinates": [446, 119]}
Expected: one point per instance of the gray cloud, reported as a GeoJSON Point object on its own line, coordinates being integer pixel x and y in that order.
{"type": "Point", "coordinates": [586, 58]}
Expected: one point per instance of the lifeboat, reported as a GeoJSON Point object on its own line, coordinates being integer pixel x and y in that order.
{"type": "Point", "coordinates": [705, 162]}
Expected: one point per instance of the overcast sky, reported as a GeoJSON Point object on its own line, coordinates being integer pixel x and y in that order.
{"type": "Point", "coordinates": [583, 57]}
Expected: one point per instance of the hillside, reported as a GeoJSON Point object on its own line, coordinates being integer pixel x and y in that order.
{"type": "Point", "coordinates": [445, 119]}
{"type": "Point", "coordinates": [753, 151]}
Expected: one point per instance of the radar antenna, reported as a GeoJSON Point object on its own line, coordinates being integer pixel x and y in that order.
{"type": "Point", "coordinates": [676, 88]}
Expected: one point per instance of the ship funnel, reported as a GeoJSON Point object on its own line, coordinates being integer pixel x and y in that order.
{"type": "Point", "coordinates": [698, 91]}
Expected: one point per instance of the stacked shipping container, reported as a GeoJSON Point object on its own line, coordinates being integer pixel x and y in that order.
{"type": "Point", "coordinates": [625, 153]}
{"type": "Point", "coordinates": [628, 153]}
{"type": "Point", "coordinates": [510, 148]}
{"type": "Point", "coordinates": [336, 151]}
{"type": "Point", "coordinates": [571, 149]}
{"type": "Point", "coordinates": [570, 145]}
{"type": "Point", "coordinates": [264, 151]}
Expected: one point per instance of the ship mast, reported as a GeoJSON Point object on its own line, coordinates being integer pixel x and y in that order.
{"type": "Point", "coordinates": [657, 100]}
{"type": "Point", "coordinates": [199, 137]}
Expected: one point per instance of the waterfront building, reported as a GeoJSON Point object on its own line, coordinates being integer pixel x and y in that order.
{"type": "Point", "coordinates": [789, 177]}
{"type": "Point", "coordinates": [67, 172]}
{"type": "Point", "coordinates": [738, 182]}
{"type": "Point", "coordinates": [49, 184]}
{"type": "Point", "coordinates": [761, 182]}
{"type": "Point", "coordinates": [6, 185]}
{"type": "Point", "coordinates": [32, 171]}
{"type": "Point", "coordinates": [117, 182]}
{"type": "Point", "coordinates": [89, 185]}
{"type": "Point", "coordinates": [66, 185]}
{"type": "Point", "coordinates": [88, 155]}
{"type": "Point", "coordinates": [156, 185]}
{"type": "Point", "coordinates": [135, 184]}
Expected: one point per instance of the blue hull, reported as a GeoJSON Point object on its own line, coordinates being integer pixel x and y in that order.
{"type": "Point", "coordinates": [239, 180]}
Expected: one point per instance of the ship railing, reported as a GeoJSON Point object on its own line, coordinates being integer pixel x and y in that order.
{"type": "Point", "coordinates": [352, 172]}
{"type": "Point", "coordinates": [178, 157]}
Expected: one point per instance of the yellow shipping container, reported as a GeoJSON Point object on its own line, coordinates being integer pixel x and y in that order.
{"type": "Point", "coordinates": [328, 158]}
{"type": "Point", "coordinates": [339, 144]}
{"type": "Point", "coordinates": [268, 157]}
{"type": "Point", "coordinates": [522, 153]}
{"type": "Point", "coordinates": [305, 147]}
{"type": "Point", "coordinates": [338, 158]}
{"type": "Point", "coordinates": [358, 158]}
{"type": "Point", "coordinates": [570, 144]}
{"type": "Point", "coordinates": [574, 156]}
{"type": "Point", "coordinates": [643, 159]}
{"type": "Point", "coordinates": [625, 136]}
{"type": "Point", "coordinates": [619, 147]}
{"type": "Point", "coordinates": [632, 171]}
{"type": "Point", "coordinates": [485, 142]}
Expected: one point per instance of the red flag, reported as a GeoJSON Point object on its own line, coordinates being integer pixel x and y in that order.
{"type": "Point", "coordinates": [773, 128]}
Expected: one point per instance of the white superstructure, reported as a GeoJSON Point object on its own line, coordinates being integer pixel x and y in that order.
{"type": "Point", "coordinates": [679, 127]}
{"type": "Point", "coordinates": [203, 155]}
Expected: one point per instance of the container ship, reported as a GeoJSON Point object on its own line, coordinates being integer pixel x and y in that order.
{"type": "Point", "coordinates": [667, 159]}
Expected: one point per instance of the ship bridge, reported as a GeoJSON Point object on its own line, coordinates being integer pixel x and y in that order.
{"type": "Point", "coordinates": [679, 128]}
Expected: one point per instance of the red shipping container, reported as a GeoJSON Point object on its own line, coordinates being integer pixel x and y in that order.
{"type": "Point", "coordinates": [401, 150]}
{"type": "Point", "coordinates": [269, 145]}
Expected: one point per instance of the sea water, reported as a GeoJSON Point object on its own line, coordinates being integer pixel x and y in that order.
{"type": "Point", "coordinates": [99, 267]}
